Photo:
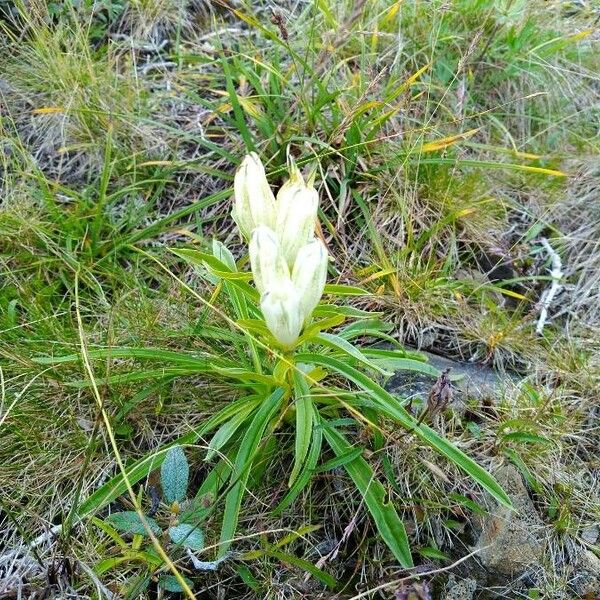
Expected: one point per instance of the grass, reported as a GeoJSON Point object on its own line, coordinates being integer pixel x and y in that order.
{"type": "Point", "coordinates": [448, 139]}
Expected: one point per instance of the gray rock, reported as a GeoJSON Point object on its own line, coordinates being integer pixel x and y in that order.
{"type": "Point", "coordinates": [591, 534]}
{"type": "Point", "coordinates": [469, 381]}
{"type": "Point", "coordinates": [586, 575]}
{"type": "Point", "coordinates": [463, 589]}
{"type": "Point", "coordinates": [511, 540]}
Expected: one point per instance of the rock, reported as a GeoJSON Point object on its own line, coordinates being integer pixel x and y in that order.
{"type": "Point", "coordinates": [511, 540]}
{"type": "Point", "coordinates": [591, 534]}
{"type": "Point", "coordinates": [586, 576]}
{"type": "Point", "coordinates": [469, 380]}
{"type": "Point", "coordinates": [463, 589]}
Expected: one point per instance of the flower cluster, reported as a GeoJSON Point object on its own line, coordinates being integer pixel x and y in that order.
{"type": "Point", "coordinates": [289, 264]}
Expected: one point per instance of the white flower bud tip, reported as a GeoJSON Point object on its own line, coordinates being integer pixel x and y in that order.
{"type": "Point", "coordinates": [282, 314]}
{"type": "Point", "coordinates": [297, 206]}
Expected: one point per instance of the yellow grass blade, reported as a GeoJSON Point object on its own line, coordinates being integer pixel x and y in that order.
{"type": "Point", "coordinates": [447, 141]}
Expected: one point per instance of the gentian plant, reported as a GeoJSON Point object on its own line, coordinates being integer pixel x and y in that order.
{"type": "Point", "coordinates": [295, 364]}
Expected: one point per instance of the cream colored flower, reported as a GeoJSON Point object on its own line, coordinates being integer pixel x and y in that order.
{"type": "Point", "coordinates": [296, 214]}
{"type": "Point", "coordinates": [281, 310]}
{"type": "Point", "coordinates": [267, 262]}
{"type": "Point", "coordinates": [254, 203]}
{"type": "Point", "coordinates": [309, 275]}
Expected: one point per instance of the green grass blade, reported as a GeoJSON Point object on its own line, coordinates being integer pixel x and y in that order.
{"type": "Point", "coordinates": [304, 424]}
{"type": "Point", "coordinates": [238, 113]}
{"type": "Point", "coordinates": [160, 225]}
{"type": "Point", "coordinates": [241, 471]}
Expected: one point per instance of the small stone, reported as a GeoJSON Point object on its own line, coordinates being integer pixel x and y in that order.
{"type": "Point", "coordinates": [590, 534]}
{"type": "Point", "coordinates": [459, 590]}
{"type": "Point", "coordinates": [586, 576]}
{"type": "Point", "coordinates": [511, 540]}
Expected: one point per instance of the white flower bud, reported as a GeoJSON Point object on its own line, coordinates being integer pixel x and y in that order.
{"type": "Point", "coordinates": [309, 276]}
{"type": "Point", "coordinates": [297, 205]}
{"type": "Point", "coordinates": [267, 262]}
{"type": "Point", "coordinates": [281, 310]}
{"type": "Point", "coordinates": [254, 201]}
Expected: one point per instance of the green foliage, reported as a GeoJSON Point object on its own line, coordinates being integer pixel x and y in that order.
{"type": "Point", "coordinates": [187, 535]}
{"type": "Point", "coordinates": [384, 514]}
{"type": "Point", "coordinates": [131, 522]}
{"type": "Point", "coordinates": [183, 535]}
{"type": "Point", "coordinates": [99, 15]}
{"type": "Point", "coordinates": [174, 473]}
{"type": "Point", "coordinates": [291, 387]}
{"type": "Point", "coordinates": [170, 583]}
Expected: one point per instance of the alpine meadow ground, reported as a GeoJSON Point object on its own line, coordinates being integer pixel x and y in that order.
{"type": "Point", "coordinates": [156, 438]}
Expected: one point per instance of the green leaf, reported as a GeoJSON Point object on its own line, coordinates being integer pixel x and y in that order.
{"type": "Point", "coordinates": [389, 405]}
{"type": "Point", "coordinates": [255, 326]}
{"type": "Point", "coordinates": [227, 430]}
{"type": "Point", "coordinates": [339, 289]}
{"type": "Point", "coordinates": [304, 424]}
{"type": "Point", "coordinates": [200, 360]}
{"type": "Point", "coordinates": [130, 522]}
{"type": "Point", "coordinates": [222, 253]}
{"type": "Point", "coordinates": [340, 461]}
{"type": "Point", "coordinates": [147, 558]}
{"type": "Point", "coordinates": [467, 502]}
{"type": "Point", "coordinates": [526, 437]}
{"type": "Point", "coordinates": [135, 376]}
{"type": "Point", "coordinates": [516, 459]}
{"type": "Point", "coordinates": [110, 531]}
{"type": "Point", "coordinates": [434, 553]}
{"type": "Point", "coordinates": [397, 361]}
{"type": "Point", "coordinates": [107, 564]}
{"type": "Point", "coordinates": [369, 328]}
{"type": "Point", "coordinates": [187, 535]}
{"type": "Point", "coordinates": [246, 576]}
{"type": "Point", "coordinates": [241, 469]}
{"type": "Point", "coordinates": [307, 470]}
{"type": "Point", "coordinates": [238, 113]}
{"type": "Point", "coordinates": [314, 328]}
{"type": "Point", "coordinates": [304, 565]}
{"type": "Point", "coordinates": [389, 524]}
{"type": "Point", "coordinates": [174, 473]}
{"type": "Point", "coordinates": [294, 535]}
{"type": "Point", "coordinates": [327, 310]}
{"type": "Point", "coordinates": [136, 586]}
{"type": "Point", "coordinates": [340, 344]}
{"type": "Point", "coordinates": [170, 583]}
{"type": "Point", "coordinates": [245, 375]}
{"type": "Point", "coordinates": [202, 259]}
